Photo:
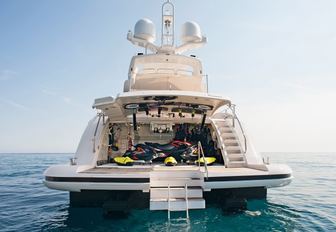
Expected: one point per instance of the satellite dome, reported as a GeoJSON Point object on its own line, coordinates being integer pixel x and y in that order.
{"type": "Point", "coordinates": [190, 32]}
{"type": "Point", "coordinates": [145, 29]}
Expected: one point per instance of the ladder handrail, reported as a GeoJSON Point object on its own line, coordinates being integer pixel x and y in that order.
{"type": "Point", "coordinates": [243, 133]}
{"type": "Point", "coordinates": [200, 150]}
{"type": "Point", "coordinates": [235, 117]}
{"type": "Point", "coordinates": [186, 200]}
{"type": "Point", "coordinates": [168, 202]}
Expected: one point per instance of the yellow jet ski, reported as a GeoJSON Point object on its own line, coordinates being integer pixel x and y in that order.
{"type": "Point", "coordinates": [170, 161]}
{"type": "Point", "coordinates": [123, 161]}
{"type": "Point", "coordinates": [208, 160]}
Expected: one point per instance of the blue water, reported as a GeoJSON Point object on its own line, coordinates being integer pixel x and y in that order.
{"type": "Point", "coordinates": [308, 204]}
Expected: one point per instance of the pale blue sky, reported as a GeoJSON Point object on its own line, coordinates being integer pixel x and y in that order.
{"type": "Point", "coordinates": [275, 59]}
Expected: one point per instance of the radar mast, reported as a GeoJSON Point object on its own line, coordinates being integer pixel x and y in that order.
{"type": "Point", "coordinates": [167, 37]}
{"type": "Point", "coordinates": [144, 34]}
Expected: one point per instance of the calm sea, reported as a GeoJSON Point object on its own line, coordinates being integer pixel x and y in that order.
{"type": "Point", "coordinates": [308, 204]}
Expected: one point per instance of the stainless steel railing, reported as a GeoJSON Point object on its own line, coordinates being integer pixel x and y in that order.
{"type": "Point", "coordinates": [200, 151]}
{"type": "Point", "coordinates": [235, 117]}
{"type": "Point", "coordinates": [95, 133]}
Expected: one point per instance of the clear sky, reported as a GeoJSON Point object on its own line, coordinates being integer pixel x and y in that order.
{"type": "Point", "coordinates": [275, 59]}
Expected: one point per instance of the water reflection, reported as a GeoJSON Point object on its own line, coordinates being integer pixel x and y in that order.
{"type": "Point", "coordinates": [261, 215]}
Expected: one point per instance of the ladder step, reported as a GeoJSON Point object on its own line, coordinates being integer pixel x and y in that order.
{"type": "Point", "coordinates": [229, 152]}
{"type": "Point", "coordinates": [218, 117]}
{"type": "Point", "coordinates": [176, 182]}
{"type": "Point", "coordinates": [227, 133]}
{"type": "Point", "coordinates": [231, 142]}
{"type": "Point", "coordinates": [232, 148]}
{"type": "Point", "coordinates": [221, 123]}
{"type": "Point", "coordinates": [236, 164]}
{"type": "Point", "coordinates": [177, 204]}
{"type": "Point", "coordinates": [236, 157]}
{"type": "Point", "coordinates": [225, 130]}
{"type": "Point", "coordinates": [159, 193]}
{"type": "Point", "coordinates": [176, 186]}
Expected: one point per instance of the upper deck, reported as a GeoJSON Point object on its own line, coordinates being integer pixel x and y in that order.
{"type": "Point", "coordinates": [165, 71]}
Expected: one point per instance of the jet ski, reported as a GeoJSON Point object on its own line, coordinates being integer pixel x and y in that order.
{"type": "Point", "coordinates": [158, 152]}
{"type": "Point", "coordinates": [141, 152]}
{"type": "Point", "coordinates": [161, 147]}
{"type": "Point", "coordinates": [166, 150]}
{"type": "Point", "coordinates": [123, 161]}
{"type": "Point", "coordinates": [170, 161]}
{"type": "Point", "coordinates": [168, 146]}
{"type": "Point", "coordinates": [190, 156]}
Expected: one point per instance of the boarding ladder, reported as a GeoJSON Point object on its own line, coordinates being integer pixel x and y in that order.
{"type": "Point", "coordinates": [176, 190]}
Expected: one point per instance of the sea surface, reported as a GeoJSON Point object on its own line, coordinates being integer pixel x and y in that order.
{"type": "Point", "coordinates": [307, 204]}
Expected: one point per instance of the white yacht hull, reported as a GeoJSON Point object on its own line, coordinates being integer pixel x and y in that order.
{"type": "Point", "coordinates": [68, 179]}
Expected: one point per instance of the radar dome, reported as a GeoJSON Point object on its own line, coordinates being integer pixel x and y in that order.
{"type": "Point", "coordinates": [145, 29]}
{"type": "Point", "coordinates": [190, 32]}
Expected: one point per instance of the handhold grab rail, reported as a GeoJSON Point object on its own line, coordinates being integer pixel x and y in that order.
{"type": "Point", "coordinates": [186, 200]}
{"type": "Point", "coordinates": [233, 109]}
{"type": "Point", "coordinates": [95, 133]}
{"type": "Point", "coordinates": [199, 152]}
{"type": "Point", "coordinates": [168, 207]}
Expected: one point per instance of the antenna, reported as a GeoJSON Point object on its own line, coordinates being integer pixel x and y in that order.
{"type": "Point", "coordinates": [144, 34]}
{"type": "Point", "coordinates": [167, 37]}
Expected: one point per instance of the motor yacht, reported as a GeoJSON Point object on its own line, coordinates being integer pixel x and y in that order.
{"type": "Point", "coordinates": [165, 142]}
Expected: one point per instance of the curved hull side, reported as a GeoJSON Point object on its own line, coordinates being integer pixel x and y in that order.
{"type": "Point", "coordinates": [137, 184]}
